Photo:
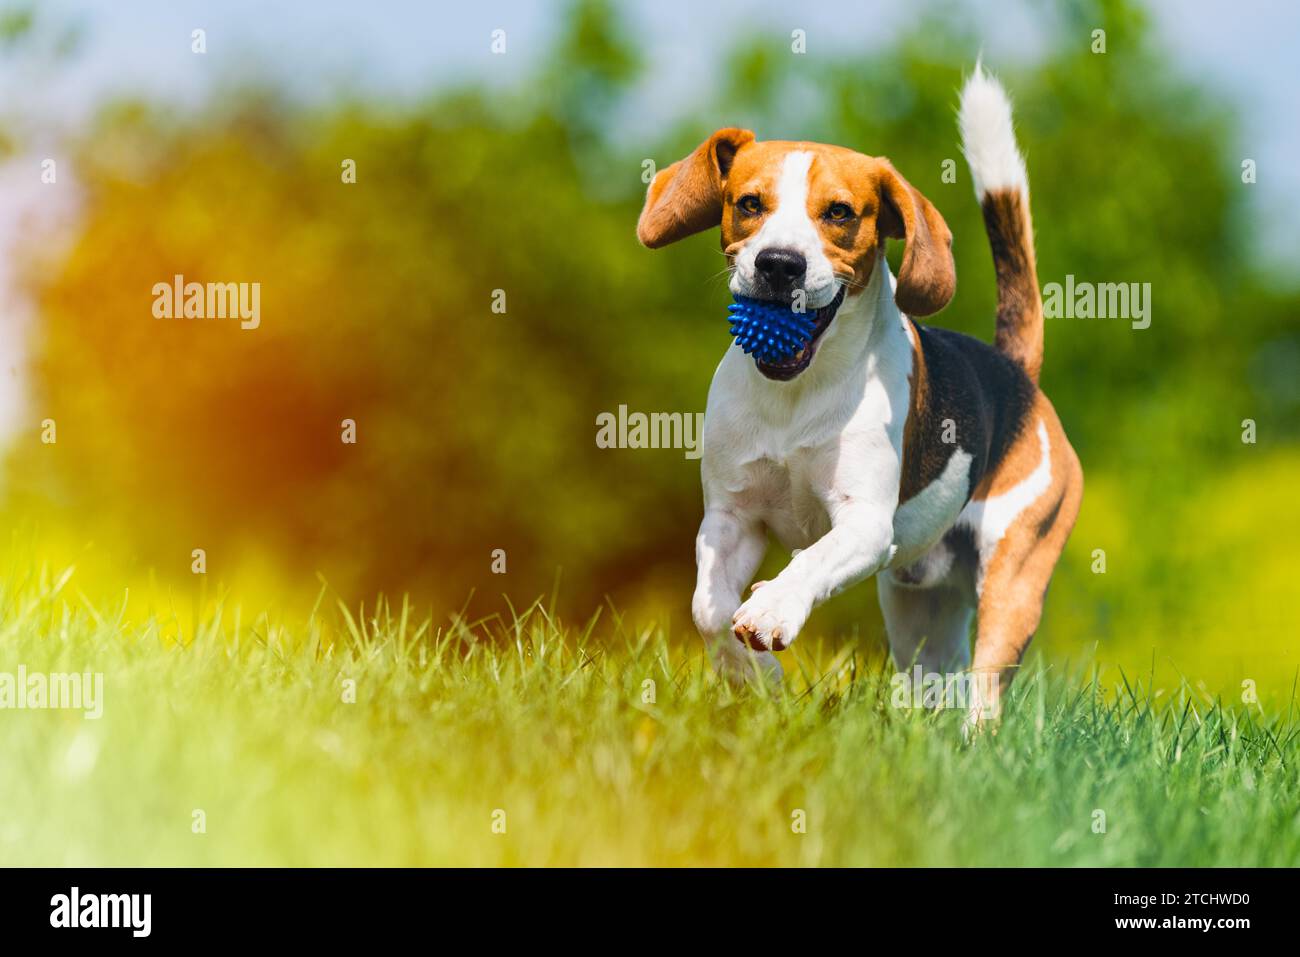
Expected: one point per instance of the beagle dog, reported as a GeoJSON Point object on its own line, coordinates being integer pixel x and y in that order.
{"type": "Point", "coordinates": [885, 447]}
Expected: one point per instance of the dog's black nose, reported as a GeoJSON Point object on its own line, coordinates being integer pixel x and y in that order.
{"type": "Point", "coordinates": [782, 269]}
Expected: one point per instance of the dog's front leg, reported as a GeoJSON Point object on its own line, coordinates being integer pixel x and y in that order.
{"type": "Point", "coordinates": [728, 551]}
{"type": "Point", "coordinates": [859, 544]}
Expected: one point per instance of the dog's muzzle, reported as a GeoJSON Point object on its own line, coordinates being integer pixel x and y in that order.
{"type": "Point", "coordinates": [787, 369]}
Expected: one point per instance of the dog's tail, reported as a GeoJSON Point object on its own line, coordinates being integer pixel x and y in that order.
{"type": "Point", "coordinates": [1002, 187]}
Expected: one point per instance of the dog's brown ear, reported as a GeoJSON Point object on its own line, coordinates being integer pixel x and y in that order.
{"type": "Point", "coordinates": [927, 277]}
{"type": "Point", "coordinates": [686, 198]}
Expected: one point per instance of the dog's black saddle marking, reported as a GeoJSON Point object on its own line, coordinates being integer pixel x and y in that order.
{"type": "Point", "coordinates": [977, 397]}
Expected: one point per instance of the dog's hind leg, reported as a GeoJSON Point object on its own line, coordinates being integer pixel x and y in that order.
{"type": "Point", "coordinates": [929, 627]}
{"type": "Point", "coordinates": [728, 551]}
{"type": "Point", "coordinates": [1017, 566]}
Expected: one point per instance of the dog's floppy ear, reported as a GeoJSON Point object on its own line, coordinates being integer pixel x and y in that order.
{"type": "Point", "coordinates": [927, 277]}
{"type": "Point", "coordinates": [686, 198]}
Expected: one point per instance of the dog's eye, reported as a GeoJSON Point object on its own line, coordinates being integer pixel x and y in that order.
{"type": "Point", "coordinates": [839, 212]}
{"type": "Point", "coordinates": [750, 205]}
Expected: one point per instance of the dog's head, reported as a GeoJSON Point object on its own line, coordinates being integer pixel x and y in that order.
{"type": "Point", "coordinates": [802, 224]}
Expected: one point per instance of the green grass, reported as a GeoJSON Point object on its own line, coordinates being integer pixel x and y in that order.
{"type": "Point", "coordinates": [244, 719]}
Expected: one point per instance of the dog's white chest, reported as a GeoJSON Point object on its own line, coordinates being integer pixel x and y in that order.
{"type": "Point", "coordinates": [792, 467]}
{"type": "Point", "coordinates": [780, 492]}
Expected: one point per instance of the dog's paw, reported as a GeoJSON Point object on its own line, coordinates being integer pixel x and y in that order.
{"type": "Point", "coordinates": [985, 711]}
{"type": "Point", "coordinates": [977, 725]}
{"type": "Point", "coordinates": [771, 619]}
{"type": "Point", "coordinates": [740, 666]}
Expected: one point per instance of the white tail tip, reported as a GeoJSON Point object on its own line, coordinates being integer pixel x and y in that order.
{"type": "Point", "coordinates": [987, 136]}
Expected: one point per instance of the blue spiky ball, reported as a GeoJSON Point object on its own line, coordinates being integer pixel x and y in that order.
{"type": "Point", "coordinates": [768, 331]}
